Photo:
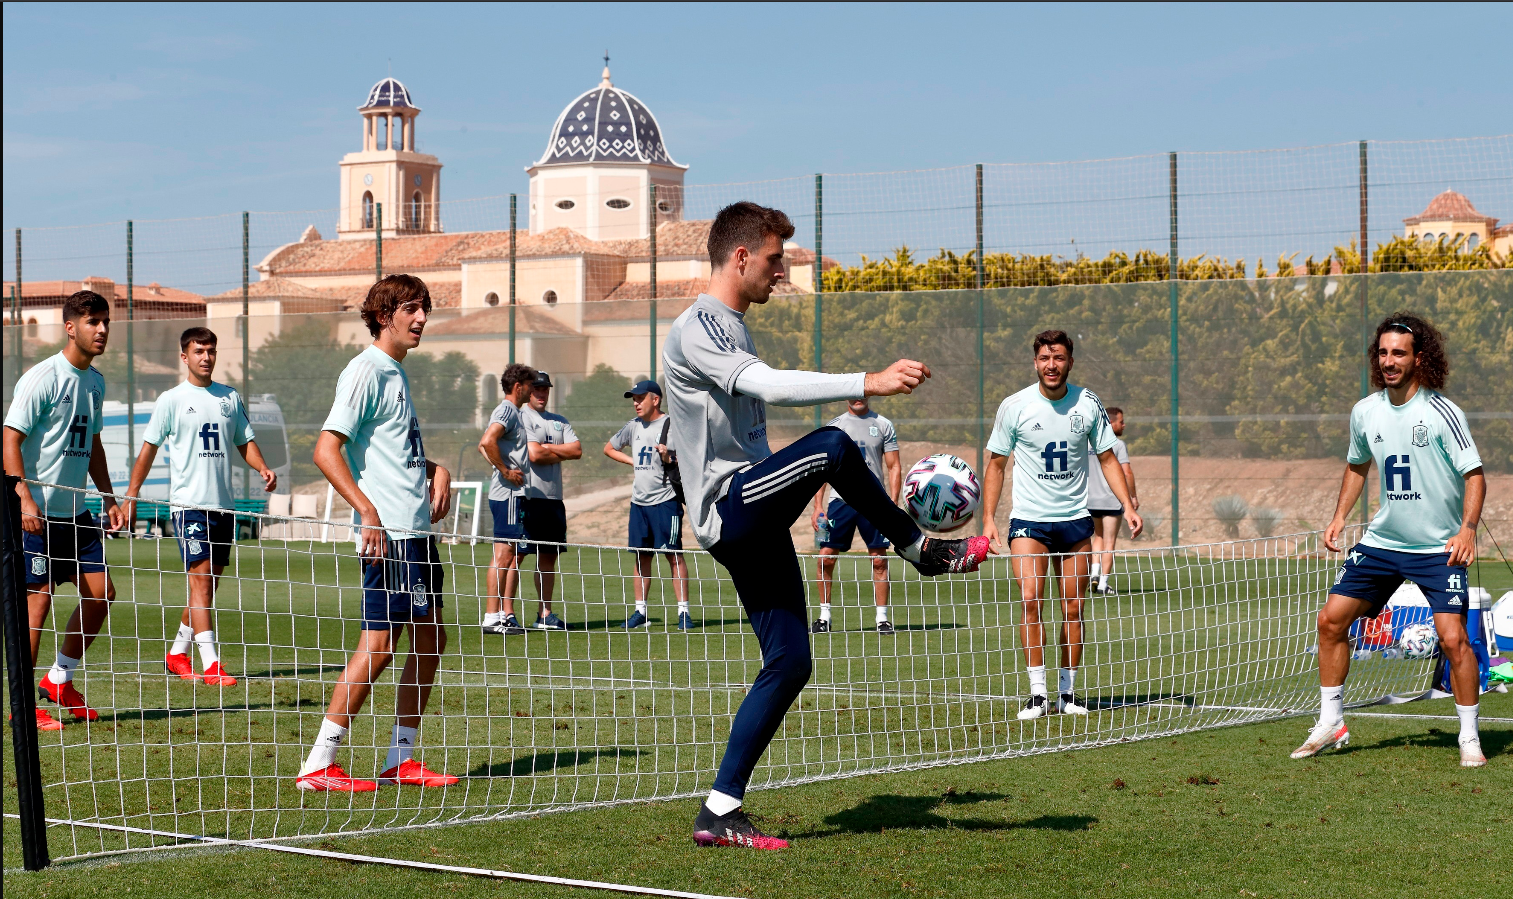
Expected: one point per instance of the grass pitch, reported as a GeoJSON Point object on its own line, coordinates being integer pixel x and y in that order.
{"type": "Point", "coordinates": [1216, 812]}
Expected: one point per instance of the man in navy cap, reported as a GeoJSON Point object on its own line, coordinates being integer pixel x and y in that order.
{"type": "Point", "coordinates": [550, 441]}
{"type": "Point", "coordinates": [656, 516]}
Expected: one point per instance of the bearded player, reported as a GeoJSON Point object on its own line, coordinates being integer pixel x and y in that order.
{"type": "Point", "coordinates": [743, 498]}
{"type": "Point", "coordinates": [1432, 488]}
{"type": "Point", "coordinates": [1053, 430]}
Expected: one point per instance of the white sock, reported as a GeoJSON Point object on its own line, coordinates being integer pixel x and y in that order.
{"type": "Point", "coordinates": [183, 641]}
{"type": "Point", "coordinates": [1097, 570]}
{"type": "Point", "coordinates": [824, 611]}
{"type": "Point", "coordinates": [682, 607]}
{"type": "Point", "coordinates": [1467, 714]}
{"type": "Point", "coordinates": [401, 746]}
{"type": "Point", "coordinates": [641, 606]}
{"type": "Point", "coordinates": [1067, 682]}
{"type": "Point", "coordinates": [882, 614]}
{"type": "Point", "coordinates": [1103, 582]}
{"type": "Point", "coordinates": [208, 654]}
{"type": "Point", "coordinates": [1331, 704]}
{"type": "Point", "coordinates": [323, 753]}
{"type": "Point", "coordinates": [911, 552]}
{"type": "Point", "coordinates": [492, 618]}
{"type": "Point", "coordinates": [1037, 680]}
{"type": "Point", "coordinates": [721, 804]}
{"type": "Point", "coordinates": [63, 669]}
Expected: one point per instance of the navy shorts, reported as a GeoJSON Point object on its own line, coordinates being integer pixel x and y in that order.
{"type": "Point", "coordinates": [657, 527]}
{"type": "Point", "coordinates": [405, 584]}
{"type": "Point", "coordinates": [1375, 574]}
{"type": "Point", "coordinates": [204, 535]}
{"type": "Point", "coordinates": [69, 547]}
{"type": "Point", "coordinates": [844, 522]}
{"type": "Point", "coordinates": [1057, 536]}
{"type": "Point", "coordinates": [545, 522]}
{"type": "Point", "coordinates": [509, 519]}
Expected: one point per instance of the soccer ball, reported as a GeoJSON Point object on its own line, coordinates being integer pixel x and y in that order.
{"type": "Point", "coordinates": [941, 492]}
{"type": "Point", "coordinates": [1419, 641]}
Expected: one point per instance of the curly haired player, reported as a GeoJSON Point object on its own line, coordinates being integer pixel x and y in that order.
{"type": "Point", "coordinates": [1432, 488]}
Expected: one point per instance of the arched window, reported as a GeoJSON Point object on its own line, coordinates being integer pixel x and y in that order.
{"type": "Point", "coordinates": [1473, 241]}
{"type": "Point", "coordinates": [367, 209]}
{"type": "Point", "coordinates": [31, 327]}
{"type": "Point", "coordinates": [549, 298]}
{"type": "Point", "coordinates": [415, 210]}
{"type": "Point", "coordinates": [381, 132]}
{"type": "Point", "coordinates": [491, 298]}
{"type": "Point", "coordinates": [1428, 237]}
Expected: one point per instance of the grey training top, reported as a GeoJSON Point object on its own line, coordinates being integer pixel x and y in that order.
{"type": "Point", "coordinates": [873, 435]}
{"type": "Point", "coordinates": [639, 440]}
{"type": "Point", "coordinates": [545, 481]}
{"type": "Point", "coordinates": [1099, 495]}
{"type": "Point", "coordinates": [512, 450]}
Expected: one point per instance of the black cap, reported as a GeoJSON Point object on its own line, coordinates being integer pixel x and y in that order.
{"type": "Point", "coordinates": [542, 379]}
{"type": "Point", "coordinates": [643, 387]}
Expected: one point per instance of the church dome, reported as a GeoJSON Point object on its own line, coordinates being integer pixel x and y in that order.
{"type": "Point", "coordinates": [606, 124]}
{"type": "Point", "coordinates": [388, 93]}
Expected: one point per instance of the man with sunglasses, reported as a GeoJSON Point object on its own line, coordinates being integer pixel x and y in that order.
{"type": "Point", "coordinates": [1432, 489]}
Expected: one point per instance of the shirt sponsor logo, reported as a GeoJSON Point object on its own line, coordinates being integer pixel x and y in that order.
{"type": "Point", "coordinates": [1420, 435]}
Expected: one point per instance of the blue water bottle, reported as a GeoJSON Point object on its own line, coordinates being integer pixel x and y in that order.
{"type": "Point", "coordinates": [822, 533]}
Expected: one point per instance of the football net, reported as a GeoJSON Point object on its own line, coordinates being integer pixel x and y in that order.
{"type": "Point", "coordinates": [1201, 637]}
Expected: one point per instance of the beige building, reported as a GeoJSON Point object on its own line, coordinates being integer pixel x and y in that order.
{"type": "Point", "coordinates": [583, 265]}
{"type": "Point", "coordinates": [1450, 216]}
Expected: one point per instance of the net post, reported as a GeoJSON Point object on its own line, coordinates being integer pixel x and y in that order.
{"type": "Point", "coordinates": [246, 337]}
{"type": "Point", "coordinates": [1365, 348]}
{"type": "Point", "coordinates": [19, 672]}
{"type": "Point", "coordinates": [18, 298]}
{"type": "Point", "coordinates": [981, 325]}
{"type": "Point", "coordinates": [652, 231]}
{"type": "Point", "coordinates": [512, 279]}
{"type": "Point", "coordinates": [819, 278]}
{"type": "Point", "coordinates": [131, 355]}
{"type": "Point", "coordinates": [1172, 275]}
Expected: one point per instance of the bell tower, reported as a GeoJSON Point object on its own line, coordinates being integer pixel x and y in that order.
{"type": "Point", "coordinates": [389, 171]}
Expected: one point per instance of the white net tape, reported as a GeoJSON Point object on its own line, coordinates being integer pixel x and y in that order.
{"type": "Point", "coordinates": [1208, 636]}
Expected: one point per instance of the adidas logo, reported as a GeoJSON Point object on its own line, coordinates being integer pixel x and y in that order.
{"type": "Point", "coordinates": [1037, 427]}
{"type": "Point", "coordinates": [191, 409]}
{"type": "Point", "coordinates": [67, 398]}
{"type": "Point", "coordinates": [1454, 600]}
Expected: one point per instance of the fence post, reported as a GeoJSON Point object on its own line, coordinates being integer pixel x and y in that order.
{"type": "Point", "coordinates": [18, 300]}
{"type": "Point", "coordinates": [18, 669]}
{"type": "Point", "coordinates": [1365, 346]}
{"type": "Point", "coordinates": [819, 279]}
{"type": "Point", "coordinates": [512, 279]}
{"type": "Point", "coordinates": [982, 438]}
{"type": "Point", "coordinates": [653, 232]}
{"type": "Point", "coordinates": [131, 350]}
{"type": "Point", "coordinates": [1172, 275]}
{"type": "Point", "coordinates": [378, 246]}
{"type": "Point", "coordinates": [246, 338]}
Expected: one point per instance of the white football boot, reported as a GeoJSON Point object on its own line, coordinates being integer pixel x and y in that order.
{"type": "Point", "coordinates": [1034, 707]}
{"type": "Point", "coordinates": [1323, 736]}
{"type": "Point", "coordinates": [1069, 704]}
{"type": "Point", "coordinates": [1471, 754]}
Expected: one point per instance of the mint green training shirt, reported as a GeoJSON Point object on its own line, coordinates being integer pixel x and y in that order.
{"type": "Point", "coordinates": [1053, 445]}
{"type": "Point", "coordinates": [374, 412]}
{"type": "Point", "coordinates": [201, 426]}
{"type": "Point", "coordinates": [59, 409]}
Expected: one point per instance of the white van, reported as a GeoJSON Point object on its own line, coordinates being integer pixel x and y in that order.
{"type": "Point", "coordinates": [267, 422]}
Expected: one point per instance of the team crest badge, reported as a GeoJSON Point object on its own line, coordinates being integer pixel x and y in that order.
{"type": "Point", "coordinates": [556, 426]}
{"type": "Point", "coordinates": [194, 547]}
{"type": "Point", "coordinates": [872, 430]}
{"type": "Point", "coordinates": [94, 398]}
{"type": "Point", "coordinates": [418, 598]}
{"type": "Point", "coordinates": [1077, 422]}
{"type": "Point", "coordinates": [225, 408]}
{"type": "Point", "coordinates": [39, 565]}
{"type": "Point", "coordinates": [1420, 435]}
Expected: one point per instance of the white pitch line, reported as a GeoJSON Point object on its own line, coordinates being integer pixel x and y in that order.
{"type": "Point", "coordinates": [397, 862]}
{"type": "Point", "coordinates": [1422, 717]}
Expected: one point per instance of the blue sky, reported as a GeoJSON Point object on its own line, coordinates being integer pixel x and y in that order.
{"type": "Point", "coordinates": [151, 112]}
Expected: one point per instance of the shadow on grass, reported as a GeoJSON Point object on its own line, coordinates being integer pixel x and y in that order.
{"type": "Point", "coordinates": [1493, 742]}
{"type": "Point", "coordinates": [879, 813]}
{"type": "Point", "coordinates": [545, 762]}
{"type": "Point", "coordinates": [1104, 703]}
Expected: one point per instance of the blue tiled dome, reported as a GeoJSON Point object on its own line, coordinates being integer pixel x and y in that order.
{"type": "Point", "coordinates": [606, 124]}
{"type": "Point", "coordinates": [388, 92]}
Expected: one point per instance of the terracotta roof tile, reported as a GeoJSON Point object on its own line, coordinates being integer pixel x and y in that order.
{"type": "Point", "coordinates": [1450, 206]}
{"type": "Point", "coordinates": [496, 320]}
